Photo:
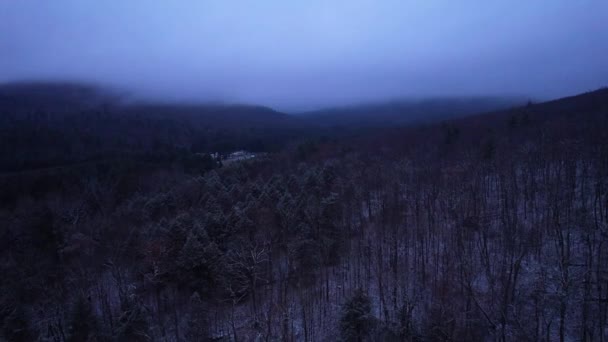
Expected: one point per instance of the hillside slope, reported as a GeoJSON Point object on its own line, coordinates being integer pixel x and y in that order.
{"type": "Point", "coordinates": [409, 111]}
{"type": "Point", "coordinates": [485, 228]}
{"type": "Point", "coordinates": [43, 125]}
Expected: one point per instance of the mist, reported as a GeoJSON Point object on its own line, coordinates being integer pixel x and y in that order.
{"type": "Point", "coordinates": [305, 55]}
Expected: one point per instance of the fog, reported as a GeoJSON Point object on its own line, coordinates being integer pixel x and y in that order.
{"type": "Point", "coordinates": [296, 55]}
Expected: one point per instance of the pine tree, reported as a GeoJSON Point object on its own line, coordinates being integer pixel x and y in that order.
{"type": "Point", "coordinates": [133, 324]}
{"type": "Point", "coordinates": [15, 326]}
{"type": "Point", "coordinates": [405, 327]}
{"type": "Point", "coordinates": [197, 324]}
{"type": "Point", "coordinates": [83, 323]}
{"type": "Point", "coordinates": [357, 319]}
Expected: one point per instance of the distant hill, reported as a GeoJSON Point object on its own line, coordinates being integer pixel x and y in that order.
{"type": "Point", "coordinates": [53, 96]}
{"type": "Point", "coordinates": [583, 106]}
{"type": "Point", "coordinates": [567, 118]}
{"type": "Point", "coordinates": [65, 98]}
{"type": "Point", "coordinates": [409, 111]}
{"type": "Point", "coordinates": [53, 124]}
{"type": "Point", "coordinates": [48, 124]}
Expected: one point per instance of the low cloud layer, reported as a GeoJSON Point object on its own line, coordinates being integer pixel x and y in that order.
{"type": "Point", "coordinates": [296, 55]}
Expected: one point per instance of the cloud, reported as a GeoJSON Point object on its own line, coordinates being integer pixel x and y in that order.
{"type": "Point", "coordinates": [293, 54]}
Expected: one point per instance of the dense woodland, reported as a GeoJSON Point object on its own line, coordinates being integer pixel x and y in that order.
{"type": "Point", "coordinates": [485, 228]}
{"type": "Point", "coordinates": [47, 125]}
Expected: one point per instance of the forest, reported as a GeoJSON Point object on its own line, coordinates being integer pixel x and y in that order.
{"type": "Point", "coordinates": [119, 224]}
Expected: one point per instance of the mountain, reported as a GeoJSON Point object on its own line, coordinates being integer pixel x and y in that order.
{"type": "Point", "coordinates": [53, 124]}
{"type": "Point", "coordinates": [567, 117]}
{"type": "Point", "coordinates": [50, 124]}
{"type": "Point", "coordinates": [478, 228]}
{"type": "Point", "coordinates": [53, 96]}
{"type": "Point", "coordinates": [409, 111]}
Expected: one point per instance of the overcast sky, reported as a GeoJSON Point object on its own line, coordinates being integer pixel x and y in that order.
{"type": "Point", "coordinates": [305, 54]}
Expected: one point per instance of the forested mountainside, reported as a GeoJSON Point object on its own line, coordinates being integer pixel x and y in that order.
{"type": "Point", "coordinates": [491, 227]}
{"type": "Point", "coordinates": [399, 112]}
{"type": "Point", "coordinates": [48, 125]}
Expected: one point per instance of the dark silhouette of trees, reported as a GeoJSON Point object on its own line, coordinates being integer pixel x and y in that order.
{"type": "Point", "coordinates": [357, 321]}
{"type": "Point", "coordinates": [82, 325]}
{"type": "Point", "coordinates": [482, 228]}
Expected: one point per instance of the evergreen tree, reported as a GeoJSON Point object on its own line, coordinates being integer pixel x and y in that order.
{"type": "Point", "coordinates": [405, 324]}
{"type": "Point", "coordinates": [196, 324]}
{"type": "Point", "coordinates": [357, 319]}
{"type": "Point", "coordinates": [83, 323]}
{"type": "Point", "coordinates": [199, 263]}
{"type": "Point", "coordinates": [133, 324]}
{"type": "Point", "coordinates": [15, 326]}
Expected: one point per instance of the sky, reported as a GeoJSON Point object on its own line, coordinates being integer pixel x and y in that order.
{"type": "Point", "coordinates": [296, 55]}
